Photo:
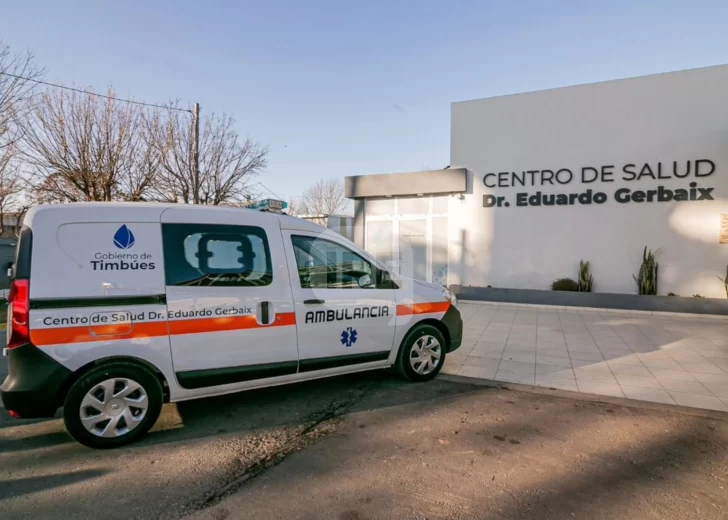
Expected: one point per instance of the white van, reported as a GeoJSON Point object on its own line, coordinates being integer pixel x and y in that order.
{"type": "Point", "coordinates": [115, 309]}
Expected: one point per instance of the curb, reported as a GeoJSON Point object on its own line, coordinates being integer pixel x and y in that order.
{"type": "Point", "coordinates": [711, 317]}
{"type": "Point", "coordinates": [581, 396]}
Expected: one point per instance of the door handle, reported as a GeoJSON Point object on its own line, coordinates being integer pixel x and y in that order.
{"type": "Point", "coordinates": [264, 311]}
{"type": "Point", "coordinates": [313, 302]}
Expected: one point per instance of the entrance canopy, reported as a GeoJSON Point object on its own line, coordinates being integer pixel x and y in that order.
{"type": "Point", "coordinates": [428, 182]}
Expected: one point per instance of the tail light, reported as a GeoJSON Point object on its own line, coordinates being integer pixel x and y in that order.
{"type": "Point", "coordinates": [19, 313]}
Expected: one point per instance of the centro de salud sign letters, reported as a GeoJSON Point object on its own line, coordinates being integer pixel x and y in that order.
{"type": "Point", "coordinates": [697, 169]}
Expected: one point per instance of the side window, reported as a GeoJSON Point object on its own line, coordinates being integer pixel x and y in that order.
{"type": "Point", "coordinates": [216, 255]}
{"type": "Point", "coordinates": [325, 264]}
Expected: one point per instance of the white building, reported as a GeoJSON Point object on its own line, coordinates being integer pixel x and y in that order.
{"type": "Point", "coordinates": [342, 224]}
{"type": "Point", "coordinates": [542, 180]}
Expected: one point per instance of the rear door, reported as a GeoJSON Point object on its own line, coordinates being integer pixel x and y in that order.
{"type": "Point", "coordinates": [230, 309]}
{"type": "Point", "coordinates": [343, 318]}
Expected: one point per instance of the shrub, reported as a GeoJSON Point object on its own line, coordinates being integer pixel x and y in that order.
{"type": "Point", "coordinates": [672, 294]}
{"type": "Point", "coordinates": [564, 284]}
{"type": "Point", "coordinates": [698, 296]}
{"type": "Point", "coordinates": [647, 277]}
{"type": "Point", "coordinates": [586, 280]}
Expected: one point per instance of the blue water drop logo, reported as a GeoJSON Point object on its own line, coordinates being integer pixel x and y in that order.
{"type": "Point", "coordinates": [124, 238]}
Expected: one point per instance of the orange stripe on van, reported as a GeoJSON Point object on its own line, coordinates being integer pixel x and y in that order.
{"type": "Point", "coordinates": [57, 336]}
{"type": "Point", "coordinates": [422, 308]}
{"type": "Point", "coordinates": [223, 323]}
{"type": "Point", "coordinates": [66, 335]}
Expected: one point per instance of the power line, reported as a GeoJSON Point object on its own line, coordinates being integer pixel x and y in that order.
{"type": "Point", "coordinates": [271, 191]}
{"type": "Point", "coordinates": [89, 93]}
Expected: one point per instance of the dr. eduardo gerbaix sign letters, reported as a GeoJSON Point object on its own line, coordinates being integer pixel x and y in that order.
{"type": "Point", "coordinates": [698, 169]}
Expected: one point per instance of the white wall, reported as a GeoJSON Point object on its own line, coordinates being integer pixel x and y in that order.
{"type": "Point", "coordinates": [663, 118]}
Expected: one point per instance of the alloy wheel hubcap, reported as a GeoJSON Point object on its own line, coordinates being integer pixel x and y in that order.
{"type": "Point", "coordinates": [425, 354]}
{"type": "Point", "coordinates": [114, 407]}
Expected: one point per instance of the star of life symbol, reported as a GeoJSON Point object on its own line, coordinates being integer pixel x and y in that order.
{"type": "Point", "coordinates": [348, 337]}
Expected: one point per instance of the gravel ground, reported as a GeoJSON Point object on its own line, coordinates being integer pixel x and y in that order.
{"type": "Point", "coordinates": [371, 446]}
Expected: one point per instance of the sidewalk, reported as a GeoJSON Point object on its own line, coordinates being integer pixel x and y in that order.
{"type": "Point", "coordinates": [660, 358]}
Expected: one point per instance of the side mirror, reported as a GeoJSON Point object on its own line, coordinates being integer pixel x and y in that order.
{"type": "Point", "coordinates": [386, 277]}
{"type": "Point", "coordinates": [365, 281]}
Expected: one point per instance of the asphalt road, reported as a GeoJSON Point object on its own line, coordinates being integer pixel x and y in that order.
{"type": "Point", "coordinates": [371, 446]}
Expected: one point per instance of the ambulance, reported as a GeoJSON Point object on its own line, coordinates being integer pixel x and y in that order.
{"type": "Point", "coordinates": [117, 308]}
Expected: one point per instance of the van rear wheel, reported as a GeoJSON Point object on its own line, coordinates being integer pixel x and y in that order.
{"type": "Point", "coordinates": [422, 353]}
{"type": "Point", "coordinates": [112, 405]}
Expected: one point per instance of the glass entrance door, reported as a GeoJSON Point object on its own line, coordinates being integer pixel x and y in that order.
{"type": "Point", "coordinates": [409, 236]}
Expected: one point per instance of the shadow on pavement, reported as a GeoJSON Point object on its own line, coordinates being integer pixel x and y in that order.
{"type": "Point", "coordinates": [566, 460]}
{"type": "Point", "coordinates": [251, 410]}
{"type": "Point", "coordinates": [299, 402]}
{"type": "Point", "coordinates": [24, 486]}
{"type": "Point", "coordinates": [31, 442]}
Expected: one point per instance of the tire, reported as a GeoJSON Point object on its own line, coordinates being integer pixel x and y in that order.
{"type": "Point", "coordinates": [120, 402]}
{"type": "Point", "coordinates": [419, 336]}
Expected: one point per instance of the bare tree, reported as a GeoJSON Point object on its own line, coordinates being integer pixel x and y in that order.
{"type": "Point", "coordinates": [18, 75]}
{"type": "Point", "coordinates": [12, 185]}
{"type": "Point", "coordinates": [325, 197]}
{"type": "Point", "coordinates": [18, 80]}
{"type": "Point", "coordinates": [88, 148]}
{"type": "Point", "coordinates": [227, 163]}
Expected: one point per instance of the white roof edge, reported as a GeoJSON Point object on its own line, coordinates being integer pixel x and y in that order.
{"type": "Point", "coordinates": [592, 83]}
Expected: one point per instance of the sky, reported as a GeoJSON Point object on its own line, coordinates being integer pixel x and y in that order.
{"type": "Point", "coordinates": [337, 88]}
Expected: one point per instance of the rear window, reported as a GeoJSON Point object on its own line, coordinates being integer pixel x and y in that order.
{"type": "Point", "coordinates": [23, 250]}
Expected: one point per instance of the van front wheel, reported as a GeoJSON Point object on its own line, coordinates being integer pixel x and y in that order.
{"type": "Point", "coordinates": [422, 353]}
{"type": "Point", "coordinates": [112, 405]}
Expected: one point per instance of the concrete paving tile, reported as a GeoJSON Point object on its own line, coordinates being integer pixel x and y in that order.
{"type": "Point", "coordinates": [681, 385]}
{"type": "Point", "coordinates": [561, 345]}
{"type": "Point", "coordinates": [517, 367]}
{"type": "Point", "coordinates": [476, 371]}
{"type": "Point", "coordinates": [553, 360]}
{"type": "Point", "coordinates": [521, 343]}
{"type": "Point", "coordinates": [629, 359]}
{"type": "Point", "coordinates": [554, 371]}
{"type": "Point", "coordinates": [643, 381]}
{"type": "Point", "coordinates": [556, 382]}
{"type": "Point", "coordinates": [524, 357]}
{"type": "Point", "coordinates": [455, 357]}
{"type": "Point", "coordinates": [511, 377]}
{"type": "Point", "coordinates": [601, 376]}
{"type": "Point", "coordinates": [487, 353]}
{"type": "Point", "coordinates": [586, 356]}
{"type": "Point", "coordinates": [687, 357]}
{"type": "Point", "coordinates": [464, 350]}
{"type": "Point", "coordinates": [450, 368]}
{"type": "Point", "coordinates": [702, 368]}
{"type": "Point", "coordinates": [613, 353]}
{"type": "Point", "coordinates": [554, 352]}
{"type": "Point", "coordinates": [632, 370]}
{"type": "Point", "coordinates": [500, 327]}
{"type": "Point", "coordinates": [699, 401]}
{"type": "Point", "coordinates": [599, 388]}
{"type": "Point", "coordinates": [481, 362]}
{"type": "Point", "coordinates": [520, 349]}
{"type": "Point", "coordinates": [714, 379]}
{"type": "Point", "coordinates": [494, 338]}
{"type": "Point", "coordinates": [491, 344]}
{"type": "Point", "coordinates": [647, 394]}
{"type": "Point", "coordinates": [664, 373]}
{"type": "Point", "coordinates": [594, 365]}
{"type": "Point", "coordinates": [662, 362]}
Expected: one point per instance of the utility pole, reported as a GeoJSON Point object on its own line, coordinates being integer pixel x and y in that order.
{"type": "Point", "coordinates": [196, 154]}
